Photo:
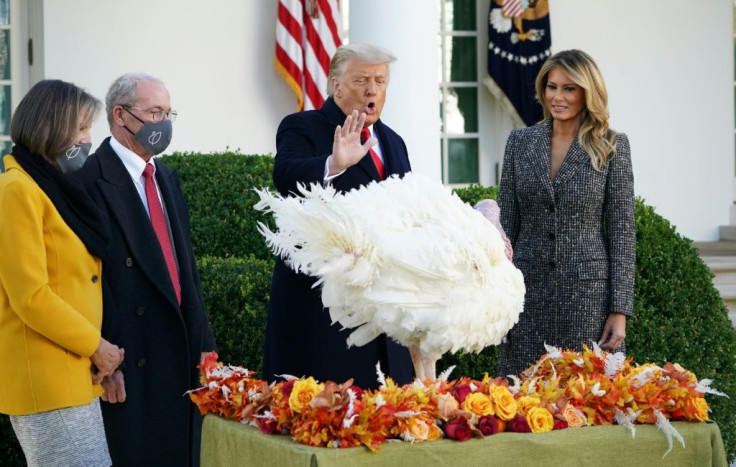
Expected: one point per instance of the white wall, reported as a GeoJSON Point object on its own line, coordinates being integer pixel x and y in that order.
{"type": "Point", "coordinates": [216, 58]}
{"type": "Point", "coordinates": [668, 66]}
{"type": "Point", "coordinates": [669, 70]}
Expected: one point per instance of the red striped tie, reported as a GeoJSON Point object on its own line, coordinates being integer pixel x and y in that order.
{"type": "Point", "coordinates": [365, 135]}
{"type": "Point", "coordinates": [162, 231]}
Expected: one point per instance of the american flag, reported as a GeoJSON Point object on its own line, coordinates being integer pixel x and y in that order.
{"type": "Point", "coordinates": [307, 34]}
{"type": "Point", "coordinates": [512, 8]}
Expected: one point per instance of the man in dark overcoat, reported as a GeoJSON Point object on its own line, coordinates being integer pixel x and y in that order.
{"type": "Point", "coordinates": [326, 146]}
{"type": "Point", "coordinates": [154, 302]}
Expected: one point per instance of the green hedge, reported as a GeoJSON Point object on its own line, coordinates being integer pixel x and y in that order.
{"type": "Point", "coordinates": [679, 315]}
{"type": "Point", "coordinates": [219, 191]}
{"type": "Point", "coordinates": [236, 292]}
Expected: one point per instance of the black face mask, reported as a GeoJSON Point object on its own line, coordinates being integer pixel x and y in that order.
{"type": "Point", "coordinates": [154, 137]}
{"type": "Point", "coordinates": [73, 158]}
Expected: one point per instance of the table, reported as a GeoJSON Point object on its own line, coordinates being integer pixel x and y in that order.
{"type": "Point", "coordinates": [227, 443]}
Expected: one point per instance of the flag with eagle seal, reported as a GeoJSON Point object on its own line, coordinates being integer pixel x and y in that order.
{"type": "Point", "coordinates": [518, 44]}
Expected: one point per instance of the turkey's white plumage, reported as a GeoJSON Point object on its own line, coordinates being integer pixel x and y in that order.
{"type": "Point", "coordinates": [404, 257]}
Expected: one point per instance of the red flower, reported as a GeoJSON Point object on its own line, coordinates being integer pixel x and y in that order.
{"type": "Point", "coordinates": [458, 429]}
{"type": "Point", "coordinates": [488, 425]}
{"type": "Point", "coordinates": [267, 426]}
{"type": "Point", "coordinates": [560, 424]}
{"type": "Point", "coordinates": [461, 391]}
{"type": "Point", "coordinates": [518, 424]}
{"type": "Point", "coordinates": [287, 387]}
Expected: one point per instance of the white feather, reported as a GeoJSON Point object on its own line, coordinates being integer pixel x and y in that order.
{"type": "Point", "coordinates": [554, 352]}
{"type": "Point", "coordinates": [597, 391]}
{"type": "Point", "coordinates": [614, 363]}
{"type": "Point", "coordinates": [597, 350]}
{"type": "Point", "coordinates": [704, 387]}
{"type": "Point", "coordinates": [669, 431]}
{"type": "Point", "coordinates": [626, 419]}
{"type": "Point", "coordinates": [445, 375]}
{"type": "Point", "coordinates": [381, 376]}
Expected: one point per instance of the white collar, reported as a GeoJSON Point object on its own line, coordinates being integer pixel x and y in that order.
{"type": "Point", "coordinates": [132, 161]}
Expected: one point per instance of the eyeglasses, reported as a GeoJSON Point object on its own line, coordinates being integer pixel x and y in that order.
{"type": "Point", "coordinates": [156, 115]}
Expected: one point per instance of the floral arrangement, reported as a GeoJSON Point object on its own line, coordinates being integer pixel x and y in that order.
{"type": "Point", "coordinates": [564, 389]}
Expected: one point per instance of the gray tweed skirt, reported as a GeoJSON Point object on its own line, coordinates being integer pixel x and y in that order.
{"type": "Point", "coordinates": [69, 437]}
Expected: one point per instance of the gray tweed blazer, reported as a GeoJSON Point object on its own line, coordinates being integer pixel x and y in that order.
{"type": "Point", "coordinates": [574, 240]}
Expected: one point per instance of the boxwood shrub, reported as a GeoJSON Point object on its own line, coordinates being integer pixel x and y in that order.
{"type": "Point", "coordinates": [219, 191]}
{"type": "Point", "coordinates": [236, 292]}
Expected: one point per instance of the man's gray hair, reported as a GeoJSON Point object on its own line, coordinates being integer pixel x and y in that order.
{"type": "Point", "coordinates": [364, 53]}
{"type": "Point", "coordinates": [122, 91]}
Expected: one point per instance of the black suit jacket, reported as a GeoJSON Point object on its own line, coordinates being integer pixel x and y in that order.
{"type": "Point", "coordinates": [157, 424]}
{"type": "Point", "coordinates": [300, 339]}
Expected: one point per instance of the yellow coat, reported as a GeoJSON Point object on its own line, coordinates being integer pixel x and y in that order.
{"type": "Point", "coordinates": [50, 302]}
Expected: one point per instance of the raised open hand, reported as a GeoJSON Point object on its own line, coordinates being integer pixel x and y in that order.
{"type": "Point", "coordinates": [347, 149]}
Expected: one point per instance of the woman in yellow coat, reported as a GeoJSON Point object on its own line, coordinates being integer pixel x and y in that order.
{"type": "Point", "coordinates": [52, 239]}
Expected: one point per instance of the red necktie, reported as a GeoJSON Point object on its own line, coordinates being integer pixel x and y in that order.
{"type": "Point", "coordinates": [162, 231]}
{"type": "Point", "coordinates": [365, 135]}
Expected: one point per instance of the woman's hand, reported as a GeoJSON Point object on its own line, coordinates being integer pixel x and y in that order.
{"type": "Point", "coordinates": [614, 332]}
{"type": "Point", "coordinates": [106, 359]}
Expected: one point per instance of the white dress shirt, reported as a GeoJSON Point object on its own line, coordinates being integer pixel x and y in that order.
{"type": "Point", "coordinates": [135, 166]}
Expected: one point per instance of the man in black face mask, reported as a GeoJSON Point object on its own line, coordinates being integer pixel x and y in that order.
{"type": "Point", "coordinates": [154, 306]}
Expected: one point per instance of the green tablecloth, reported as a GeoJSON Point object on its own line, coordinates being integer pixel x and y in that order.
{"type": "Point", "coordinates": [227, 443]}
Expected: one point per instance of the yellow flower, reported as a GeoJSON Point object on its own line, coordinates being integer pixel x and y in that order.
{"type": "Point", "coordinates": [478, 404]}
{"type": "Point", "coordinates": [697, 409]}
{"type": "Point", "coordinates": [447, 405]}
{"type": "Point", "coordinates": [504, 404]}
{"type": "Point", "coordinates": [526, 403]}
{"type": "Point", "coordinates": [540, 420]}
{"type": "Point", "coordinates": [574, 417]}
{"type": "Point", "coordinates": [303, 392]}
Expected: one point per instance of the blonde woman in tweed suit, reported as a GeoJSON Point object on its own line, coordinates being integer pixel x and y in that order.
{"type": "Point", "coordinates": [567, 204]}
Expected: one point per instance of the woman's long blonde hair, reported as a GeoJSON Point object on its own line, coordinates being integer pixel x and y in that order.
{"type": "Point", "coordinates": [594, 135]}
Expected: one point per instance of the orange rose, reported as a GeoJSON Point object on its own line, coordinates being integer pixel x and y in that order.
{"type": "Point", "coordinates": [697, 409]}
{"type": "Point", "coordinates": [417, 429]}
{"type": "Point", "coordinates": [574, 417]}
{"type": "Point", "coordinates": [478, 404]}
{"type": "Point", "coordinates": [504, 404]}
{"type": "Point", "coordinates": [540, 420]}
{"type": "Point", "coordinates": [303, 392]}
{"type": "Point", "coordinates": [526, 403]}
{"type": "Point", "coordinates": [434, 432]}
{"type": "Point", "coordinates": [447, 405]}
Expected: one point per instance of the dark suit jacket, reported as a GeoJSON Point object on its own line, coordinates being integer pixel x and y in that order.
{"type": "Point", "coordinates": [574, 240]}
{"type": "Point", "coordinates": [300, 340]}
{"type": "Point", "coordinates": [157, 424]}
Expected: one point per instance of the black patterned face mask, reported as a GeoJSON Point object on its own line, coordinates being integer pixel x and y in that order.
{"type": "Point", "coordinates": [154, 137]}
{"type": "Point", "coordinates": [73, 158]}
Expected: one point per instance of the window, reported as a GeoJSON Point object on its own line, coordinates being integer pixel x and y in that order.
{"type": "Point", "coordinates": [14, 67]}
{"type": "Point", "coordinates": [458, 93]}
{"type": "Point", "coordinates": [5, 79]}
{"type": "Point", "coordinates": [475, 125]}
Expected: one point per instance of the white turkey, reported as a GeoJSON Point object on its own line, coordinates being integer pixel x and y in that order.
{"type": "Point", "coordinates": [405, 257]}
